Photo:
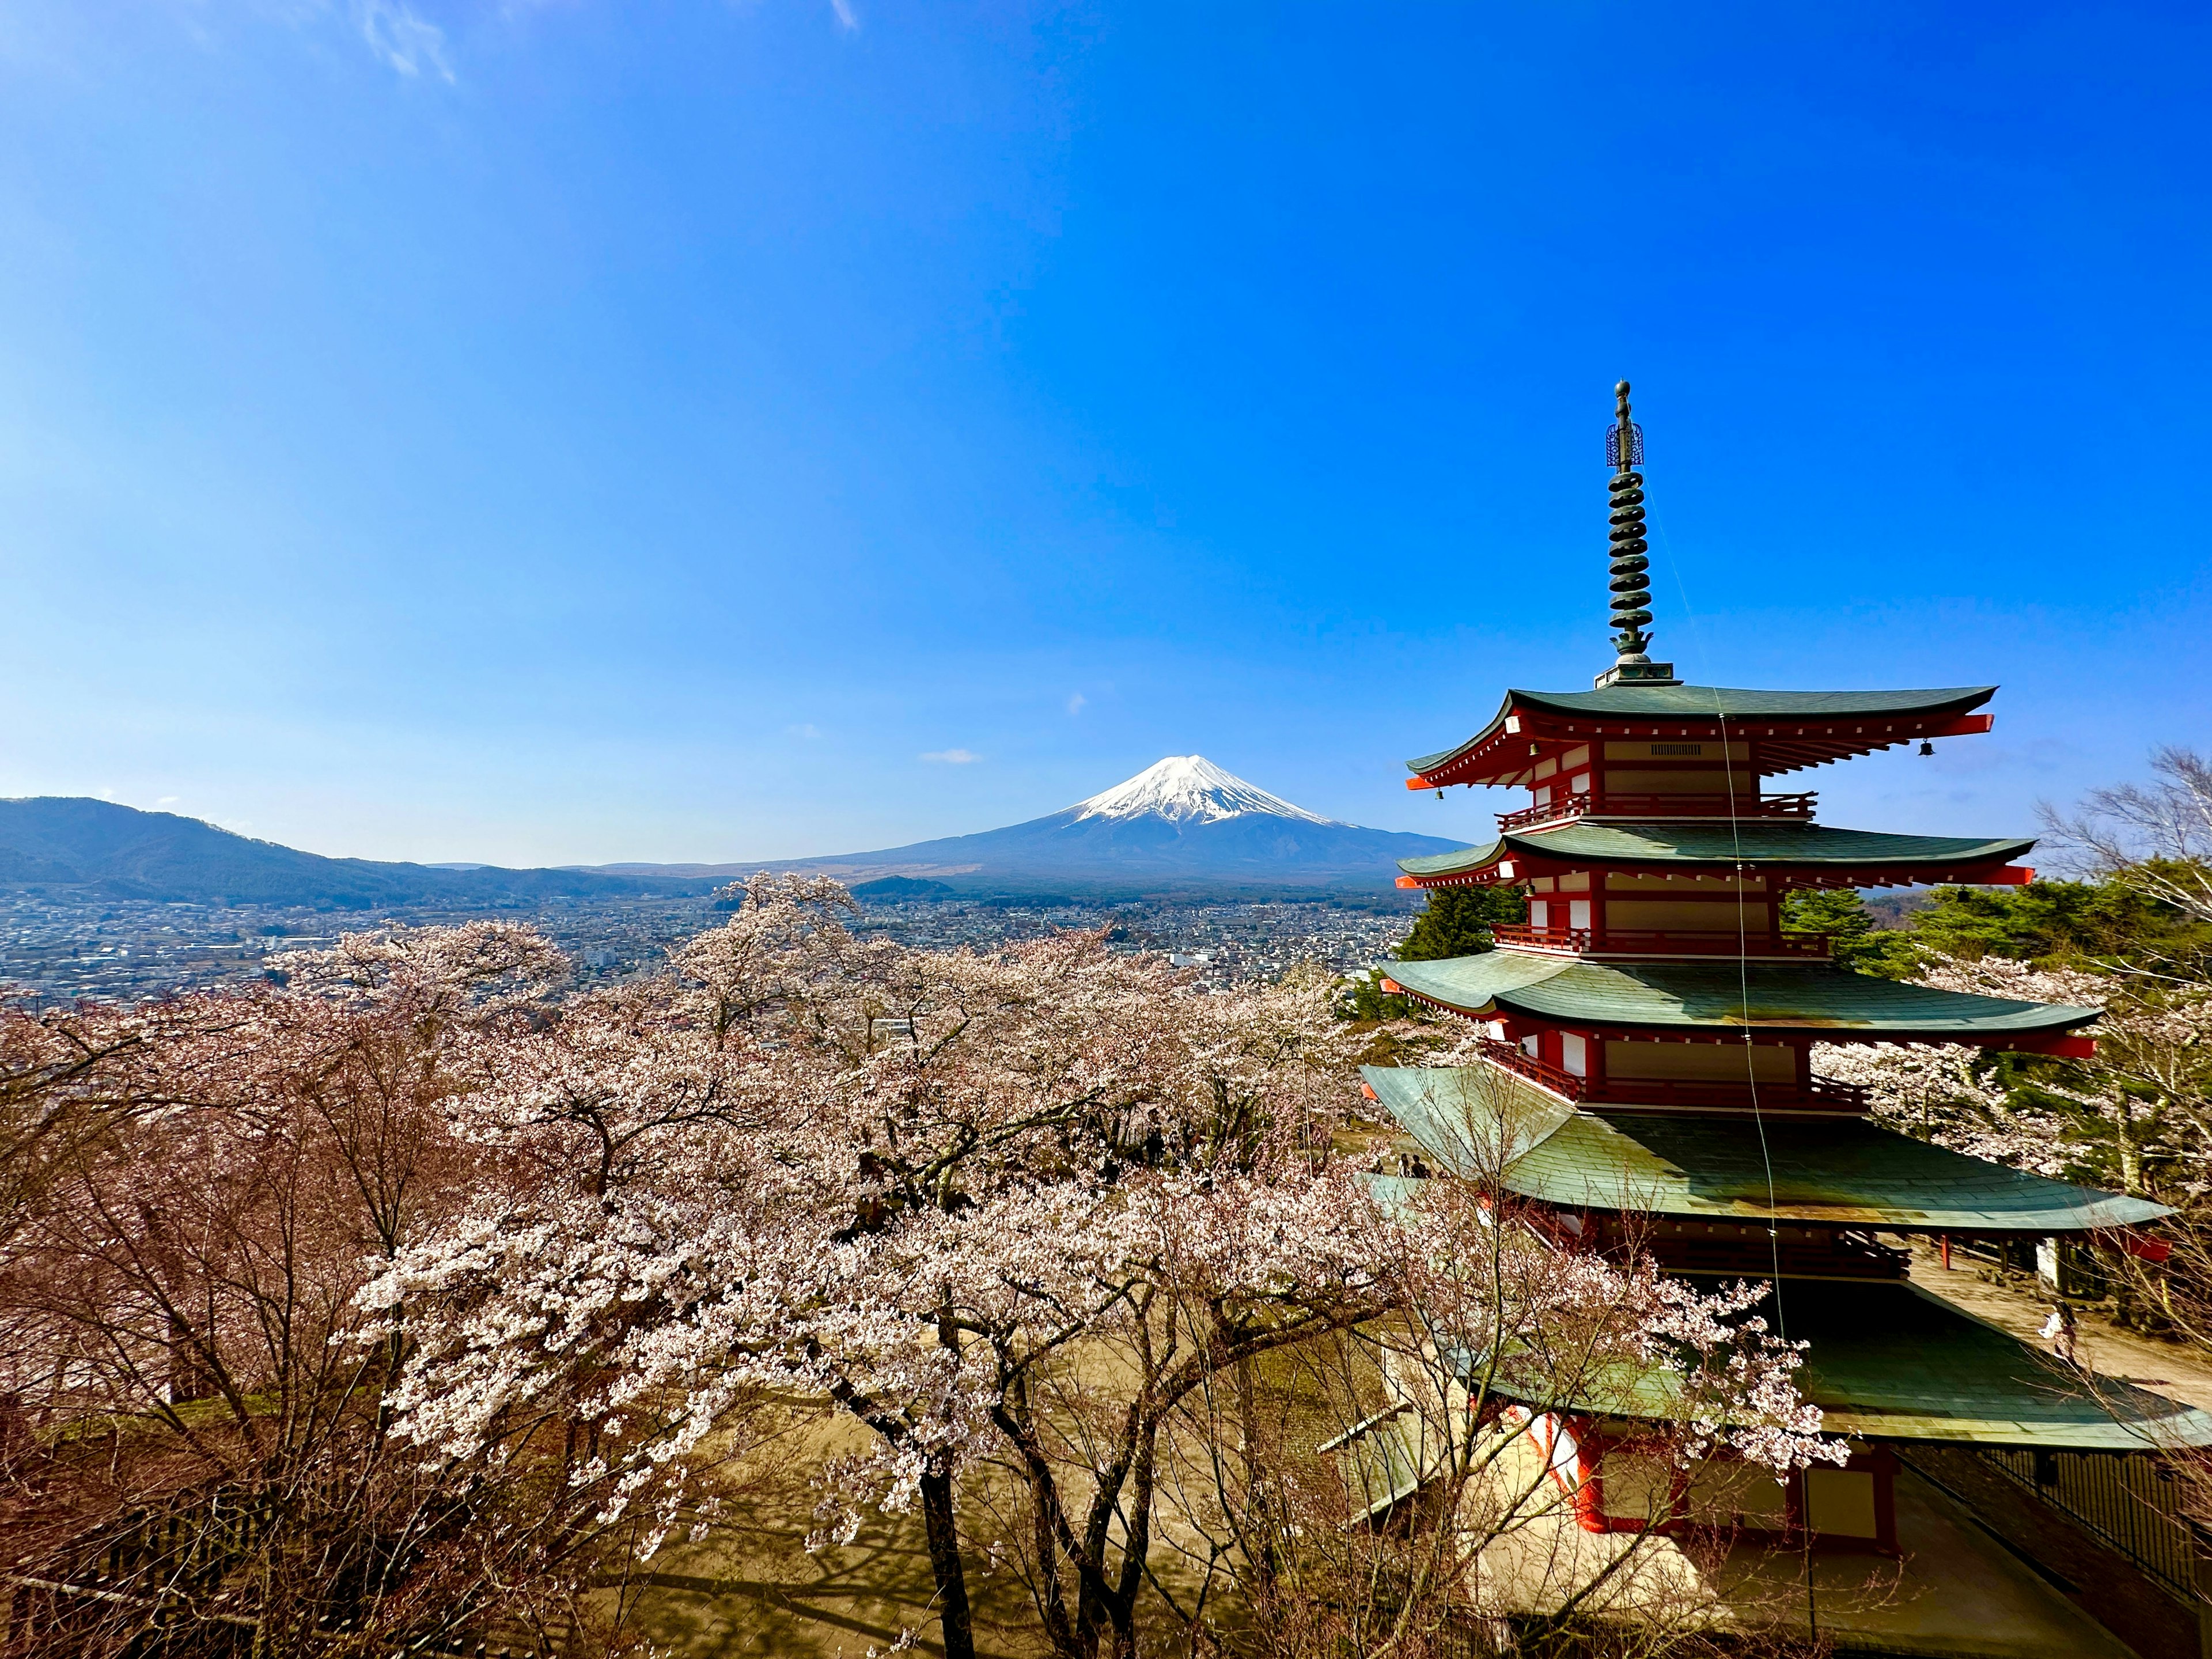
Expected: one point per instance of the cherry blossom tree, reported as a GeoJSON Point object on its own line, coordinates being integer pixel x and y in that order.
{"type": "Point", "coordinates": [2156, 836]}
{"type": "Point", "coordinates": [2139, 1105]}
{"type": "Point", "coordinates": [1010, 1211]}
{"type": "Point", "coordinates": [423, 1290]}
{"type": "Point", "coordinates": [199, 1396]}
{"type": "Point", "coordinates": [1352, 1491]}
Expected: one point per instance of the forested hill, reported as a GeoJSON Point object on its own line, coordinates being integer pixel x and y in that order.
{"type": "Point", "coordinates": [69, 847]}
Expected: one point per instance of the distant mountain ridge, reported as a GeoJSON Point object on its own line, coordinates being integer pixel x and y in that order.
{"type": "Point", "coordinates": [74, 846]}
{"type": "Point", "coordinates": [1182, 826]}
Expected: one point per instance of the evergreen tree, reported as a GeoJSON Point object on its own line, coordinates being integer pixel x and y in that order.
{"type": "Point", "coordinates": [1856, 939]}
{"type": "Point", "coordinates": [1458, 921]}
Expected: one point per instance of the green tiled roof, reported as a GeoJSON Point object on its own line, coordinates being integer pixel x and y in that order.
{"type": "Point", "coordinates": [1728, 702]}
{"type": "Point", "coordinates": [1783, 997]}
{"type": "Point", "coordinates": [1756, 841]}
{"type": "Point", "coordinates": [1841, 1171]}
{"type": "Point", "coordinates": [1468, 1118]}
{"type": "Point", "coordinates": [1890, 1361]}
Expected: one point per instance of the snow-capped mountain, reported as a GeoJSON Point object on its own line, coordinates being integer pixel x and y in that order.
{"type": "Point", "coordinates": [1184, 788]}
{"type": "Point", "coordinates": [1183, 826]}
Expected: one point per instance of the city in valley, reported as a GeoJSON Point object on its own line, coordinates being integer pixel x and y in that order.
{"type": "Point", "coordinates": [54, 950]}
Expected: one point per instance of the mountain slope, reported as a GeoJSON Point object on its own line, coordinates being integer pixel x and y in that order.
{"type": "Point", "coordinates": [71, 846]}
{"type": "Point", "coordinates": [1183, 826]}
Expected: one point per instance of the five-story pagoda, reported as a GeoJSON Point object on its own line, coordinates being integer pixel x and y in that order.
{"type": "Point", "coordinates": [1648, 1032]}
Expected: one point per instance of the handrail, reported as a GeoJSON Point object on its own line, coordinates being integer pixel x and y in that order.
{"type": "Point", "coordinates": [1547, 938]}
{"type": "Point", "coordinates": [1662, 807]}
{"type": "Point", "coordinates": [1514, 1059]}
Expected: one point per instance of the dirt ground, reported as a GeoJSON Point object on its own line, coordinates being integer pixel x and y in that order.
{"type": "Point", "coordinates": [752, 1589]}
{"type": "Point", "coordinates": [2017, 1304]}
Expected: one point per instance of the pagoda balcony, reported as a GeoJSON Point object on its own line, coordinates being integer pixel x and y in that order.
{"type": "Point", "coordinates": [1567, 808]}
{"type": "Point", "coordinates": [1646, 942]}
{"type": "Point", "coordinates": [1823, 1095]}
{"type": "Point", "coordinates": [1513, 1058]}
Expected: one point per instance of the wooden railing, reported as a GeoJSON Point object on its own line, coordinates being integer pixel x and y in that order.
{"type": "Point", "coordinates": [1638, 941]}
{"type": "Point", "coordinates": [1575, 939]}
{"type": "Point", "coordinates": [1660, 806]}
{"type": "Point", "coordinates": [1516, 1058]}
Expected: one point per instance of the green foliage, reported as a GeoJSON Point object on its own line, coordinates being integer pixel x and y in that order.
{"type": "Point", "coordinates": [1458, 921]}
{"type": "Point", "coordinates": [2108, 921]}
{"type": "Point", "coordinates": [2082, 923]}
{"type": "Point", "coordinates": [1362, 997]}
{"type": "Point", "coordinates": [1856, 939]}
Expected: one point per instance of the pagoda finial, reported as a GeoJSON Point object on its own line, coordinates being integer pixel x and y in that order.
{"type": "Point", "coordinates": [1632, 586]}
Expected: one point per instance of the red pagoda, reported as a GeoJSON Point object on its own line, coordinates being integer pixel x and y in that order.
{"type": "Point", "coordinates": [1650, 1027]}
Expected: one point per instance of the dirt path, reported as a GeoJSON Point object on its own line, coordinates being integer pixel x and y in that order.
{"type": "Point", "coordinates": [2020, 1307]}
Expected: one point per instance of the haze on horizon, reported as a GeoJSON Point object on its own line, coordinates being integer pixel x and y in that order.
{"type": "Point", "coordinates": [565, 433]}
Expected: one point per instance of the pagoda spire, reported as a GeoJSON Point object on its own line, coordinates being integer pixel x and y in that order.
{"type": "Point", "coordinates": [1631, 582]}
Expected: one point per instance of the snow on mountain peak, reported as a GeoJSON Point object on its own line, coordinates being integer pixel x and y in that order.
{"type": "Point", "coordinates": [1187, 788]}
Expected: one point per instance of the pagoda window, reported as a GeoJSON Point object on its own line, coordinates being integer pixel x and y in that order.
{"type": "Point", "coordinates": [1674, 781]}
{"type": "Point", "coordinates": [1539, 913]}
{"type": "Point", "coordinates": [1575, 757]}
{"type": "Point", "coordinates": [1544, 796]}
{"type": "Point", "coordinates": [1541, 885]}
{"type": "Point", "coordinates": [1580, 784]}
{"type": "Point", "coordinates": [1545, 768]}
{"type": "Point", "coordinates": [1731, 1492]}
{"type": "Point", "coordinates": [1632, 1492]}
{"type": "Point", "coordinates": [1578, 881]}
{"type": "Point", "coordinates": [1843, 1503]}
{"type": "Point", "coordinates": [1578, 915]}
{"type": "Point", "coordinates": [1720, 913]}
{"type": "Point", "coordinates": [1574, 1054]}
{"type": "Point", "coordinates": [1678, 750]}
{"type": "Point", "coordinates": [1700, 1063]}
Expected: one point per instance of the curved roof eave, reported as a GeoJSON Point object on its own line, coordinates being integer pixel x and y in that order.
{"type": "Point", "coordinates": [1780, 998]}
{"type": "Point", "coordinates": [1679, 702]}
{"type": "Point", "coordinates": [1724, 843]}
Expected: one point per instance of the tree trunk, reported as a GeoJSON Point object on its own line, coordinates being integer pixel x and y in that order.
{"type": "Point", "coordinates": [959, 1628]}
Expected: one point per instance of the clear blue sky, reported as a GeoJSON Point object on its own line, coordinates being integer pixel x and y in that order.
{"type": "Point", "coordinates": [582, 431]}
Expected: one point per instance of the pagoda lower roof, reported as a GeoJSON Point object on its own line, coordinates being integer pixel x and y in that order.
{"type": "Point", "coordinates": [1796, 729]}
{"type": "Point", "coordinates": [1814, 1170]}
{"type": "Point", "coordinates": [1728, 844]}
{"type": "Point", "coordinates": [1890, 1362]}
{"type": "Point", "coordinates": [1782, 998]}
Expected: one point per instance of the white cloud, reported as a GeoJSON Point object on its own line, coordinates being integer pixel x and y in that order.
{"type": "Point", "coordinates": [953, 756]}
{"type": "Point", "coordinates": [848, 19]}
{"type": "Point", "coordinates": [410, 44]}
{"type": "Point", "coordinates": [1075, 703]}
{"type": "Point", "coordinates": [168, 800]}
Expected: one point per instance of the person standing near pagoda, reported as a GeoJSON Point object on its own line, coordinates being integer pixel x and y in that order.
{"type": "Point", "coordinates": [2058, 1330]}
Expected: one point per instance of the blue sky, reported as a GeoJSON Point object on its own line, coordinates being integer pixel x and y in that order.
{"type": "Point", "coordinates": [577, 432]}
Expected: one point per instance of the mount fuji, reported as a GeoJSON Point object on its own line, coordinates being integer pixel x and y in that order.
{"type": "Point", "coordinates": [1182, 826]}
